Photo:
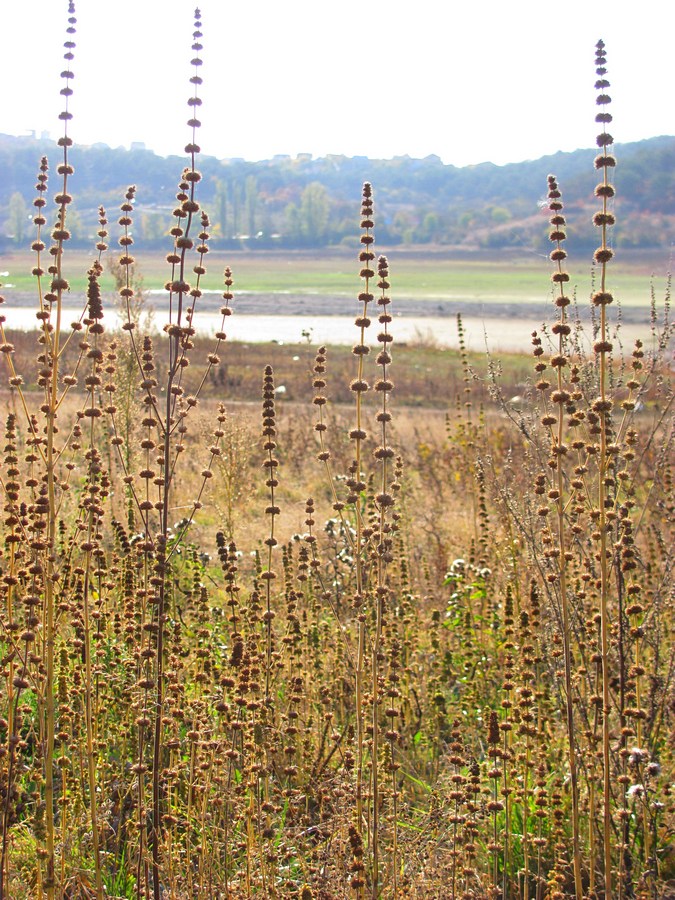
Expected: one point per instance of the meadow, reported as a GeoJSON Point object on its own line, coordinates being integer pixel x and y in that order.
{"type": "Point", "coordinates": [322, 622]}
{"type": "Point", "coordinates": [424, 274]}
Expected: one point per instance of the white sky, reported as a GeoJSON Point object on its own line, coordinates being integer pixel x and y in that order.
{"type": "Point", "coordinates": [470, 81]}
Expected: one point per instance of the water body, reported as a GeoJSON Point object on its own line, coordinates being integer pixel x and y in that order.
{"type": "Point", "coordinates": [319, 319]}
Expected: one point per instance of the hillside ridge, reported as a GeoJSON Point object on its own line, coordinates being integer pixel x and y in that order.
{"type": "Point", "coordinates": [305, 202]}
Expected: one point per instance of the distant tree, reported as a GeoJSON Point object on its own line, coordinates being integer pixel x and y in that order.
{"type": "Point", "coordinates": [265, 222]}
{"type": "Point", "coordinates": [153, 227]}
{"type": "Point", "coordinates": [220, 206]}
{"type": "Point", "coordinates": [293, 230]}
{"type": "Point", "coordinates": [76, 225]}
{"type": "Point", "coordinates": [430, 228]}
{"type": "Point", "coordinates": [236, 208]}
{"type": "Point", "coordinates": [17, 217]}
{"type": "Point", "coordinates": [500, 215]}
{"type": "Point", "coordinates": [314, 209]}
{"type": "Point", "coordinates": [466, 219]}
{"type": "Point", "coordinates": [251, 201]}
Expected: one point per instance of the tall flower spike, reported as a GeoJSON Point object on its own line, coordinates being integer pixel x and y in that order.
{"type": "Point", "coordinates": [195, 102]}
{"type": "Point", "coordinates": [602, 407]}
{"type": "Point", "coordinates": [94, 306]}
{"type": "Point", "coordinates": [603, 162]}
{"type": "Point", "coordinates": [66, 91]}
{"type": "Point", "coordinates": [227, 296]}
{"type": "Point", "coordinates": [178, 287]}
{"type": "Point", "coordinates": [560, 397]}
{"type": "Point", "coordinates": [270, 465]}
{"type": "Point", "coordinates": [102, 233]}
{"type": "Point", "coordinates": [126, 240]}
{"type": "Point", "coordinates": [366, 256]}
{"type": "Point", "coordinates": [61, 233]}
{"type": "Point", "coordinates": [38, 244]}
{"type": "Point", "coordinates": [557, 236]}
{"type": "Point", "coordinates": [384, 384]}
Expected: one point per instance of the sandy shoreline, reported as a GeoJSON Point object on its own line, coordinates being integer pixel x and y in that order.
{"type": "Point", "coordinates": [298, 304]}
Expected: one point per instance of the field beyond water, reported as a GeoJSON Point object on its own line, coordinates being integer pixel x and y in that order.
{"type": "Point", "coordinates": [429, 273]}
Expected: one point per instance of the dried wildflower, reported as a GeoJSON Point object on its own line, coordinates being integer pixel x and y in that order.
{"type": "Point", "coordinates": [638, 756]}
{"type": "Point", "coordinates": [636, 792]}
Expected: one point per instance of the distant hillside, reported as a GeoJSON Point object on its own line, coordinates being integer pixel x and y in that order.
{"type": "Point", "coordinates": [314, 202]}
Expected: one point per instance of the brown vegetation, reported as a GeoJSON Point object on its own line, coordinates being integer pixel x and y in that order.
{"type": "Point", "coordinates": [357, 652]}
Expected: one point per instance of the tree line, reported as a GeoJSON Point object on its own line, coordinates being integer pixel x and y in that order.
{"type": "Point", "coordinates": [306, 202]}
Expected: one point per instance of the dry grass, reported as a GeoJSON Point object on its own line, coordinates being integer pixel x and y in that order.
{"type": "Point", "coordinates": [354, 647]}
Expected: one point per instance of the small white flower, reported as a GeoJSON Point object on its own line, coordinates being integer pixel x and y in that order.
{"type": "Point", "coordinates": [637, 756]}
{"type": "Point", "coordinates": [635, 791]}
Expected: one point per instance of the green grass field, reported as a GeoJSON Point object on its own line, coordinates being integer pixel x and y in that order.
{"type": "Point", "coordinates": [502, 277]}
